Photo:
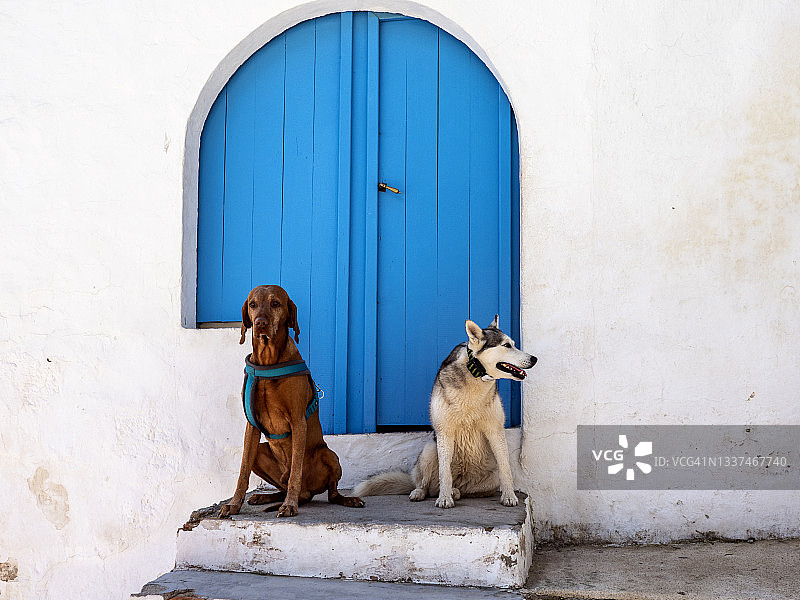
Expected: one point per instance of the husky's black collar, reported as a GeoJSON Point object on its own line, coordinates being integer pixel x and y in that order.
{"type": "Point", "coordinates": [475, 366]}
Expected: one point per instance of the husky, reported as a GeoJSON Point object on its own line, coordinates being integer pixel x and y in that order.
{"type": "Point", "coordinates": [469, 453]}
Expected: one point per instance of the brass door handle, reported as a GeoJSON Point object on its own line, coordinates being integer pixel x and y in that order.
{"type": "Point", "coordinates": [382, 187]}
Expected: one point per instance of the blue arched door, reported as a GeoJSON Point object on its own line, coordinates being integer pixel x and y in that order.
{"type": "Point", "coordinates": [291, 158]}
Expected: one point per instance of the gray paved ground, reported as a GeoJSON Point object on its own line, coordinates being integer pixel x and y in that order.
{"type": "Point", "coordinates": [766, 570]}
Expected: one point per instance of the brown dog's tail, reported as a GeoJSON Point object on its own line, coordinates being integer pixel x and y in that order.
{"type": "Point", "coordinates": [385, 484]}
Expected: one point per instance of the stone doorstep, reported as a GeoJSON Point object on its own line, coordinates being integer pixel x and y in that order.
{"type": "Point", "coordinates": [479, 542]}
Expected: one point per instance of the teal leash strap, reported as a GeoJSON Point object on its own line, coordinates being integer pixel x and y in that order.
{"type": "Point", "coordinates": [314, 404]}
{"type": "Point", "coordinates": [249, 387]}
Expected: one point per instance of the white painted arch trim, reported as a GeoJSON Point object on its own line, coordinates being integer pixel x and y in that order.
{"type": "Point", "coordinates": [225, 70]}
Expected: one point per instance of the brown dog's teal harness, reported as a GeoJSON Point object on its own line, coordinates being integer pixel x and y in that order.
{"type": "Point", "coordinates": [252, 373]}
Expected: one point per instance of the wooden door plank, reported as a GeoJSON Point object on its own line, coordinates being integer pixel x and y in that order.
{"type": "Point", "coordinates": [483, 193]}
{"type": "Point", "coordinates": [421, 359]}
{"type": "Point", "coordinates": [238, 210]}
{"type": "Point", "coordinates": [505, 281]}
{"type": "Point", "coordinates": [453, 193]}
{"type": "Point", "coordinates": [323, 216]}
{"type": "Point", "coordinates": [391, 311]}
{"type": "Point", "coordinates": [356, 355]}
{"type": "Point", "coordinates": [371, 225]}
{"type": "Point", "coordinates": [211, 198]}
{"type": "Point", "coordinates": [269, 72]}
{"type": "Point", "coordinates": [516, 390]}
{"type": "Point", "coordinates": [342, 328]}
{"type": "Point", "coordinates": [297, 180]}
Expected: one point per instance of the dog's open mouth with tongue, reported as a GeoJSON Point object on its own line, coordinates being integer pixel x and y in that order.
{"type": "Point", "coordinates": [513, 370]}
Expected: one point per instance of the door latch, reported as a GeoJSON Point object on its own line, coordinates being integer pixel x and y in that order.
{"type": "Point", "coordinates": [382, 187]}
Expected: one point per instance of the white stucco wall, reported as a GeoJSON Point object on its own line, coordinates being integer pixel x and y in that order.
{"type": "Point", "coordinates": [660, 201]}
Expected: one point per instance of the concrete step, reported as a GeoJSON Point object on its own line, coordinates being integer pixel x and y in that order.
{"type": "Point", "coordinates": [196, 585]}
{"type": "Point", "coordinates": [479, 542]}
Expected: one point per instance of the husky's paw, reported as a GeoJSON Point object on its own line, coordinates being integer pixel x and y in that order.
{"type": "Point", "coordinates": [417, 495]}
{"type": "Point", "coordinates": [509, 499]}
{"type": "Point", "coordinates": [445, 502]}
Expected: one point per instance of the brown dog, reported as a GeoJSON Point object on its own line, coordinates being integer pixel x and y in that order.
{"type": "Point", "coordinates": [300, 465]}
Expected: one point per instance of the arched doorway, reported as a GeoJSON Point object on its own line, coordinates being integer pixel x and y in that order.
{"type": "Point", "coordinates": [291, 157]}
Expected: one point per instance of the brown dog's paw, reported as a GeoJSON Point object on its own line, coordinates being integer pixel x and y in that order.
{"type": "Point", "coordinates": [334, 497]}
{"type": "Point", "coordinates": [352, 502]}
{"type": "Point", "coordinates": [288, 510]}
{"type": "Point", "coordinates": [266, 498]}
{"type": "Point", "coordinates": [232, 508]}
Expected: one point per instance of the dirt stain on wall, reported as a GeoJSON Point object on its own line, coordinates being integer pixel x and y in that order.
{"type": "Point", "coordinates": [51, 498]}
{"type": "Point", "coordinates": [9, 570]}
{"type": "Point", "coordinates": [745, 220]}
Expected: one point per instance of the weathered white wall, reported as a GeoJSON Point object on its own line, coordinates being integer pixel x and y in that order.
{"type": "Point", "coordinates": [661, 211]}
{"type": "Point", "coordinates": [659, 165]}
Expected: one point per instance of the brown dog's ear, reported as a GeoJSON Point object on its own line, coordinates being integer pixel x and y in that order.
{"type": "Point", "coordinates": [246, 323]}
{"type": "Point", "coordinates": [293, 321]}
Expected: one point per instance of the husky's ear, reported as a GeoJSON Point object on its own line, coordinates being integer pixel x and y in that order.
{"type": "Point", "coordinates": [474, 332]}
{"type": "Point", "coordinates": [496, 322]}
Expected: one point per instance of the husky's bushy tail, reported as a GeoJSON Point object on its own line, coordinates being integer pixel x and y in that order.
{"type": "Point", "coordinates": [386, 484]}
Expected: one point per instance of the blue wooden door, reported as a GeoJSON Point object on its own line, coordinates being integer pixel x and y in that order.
{"type": "Point", "coordinates": [290, 159]}
{"type": "Point", "coordinates": [445, 242]}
